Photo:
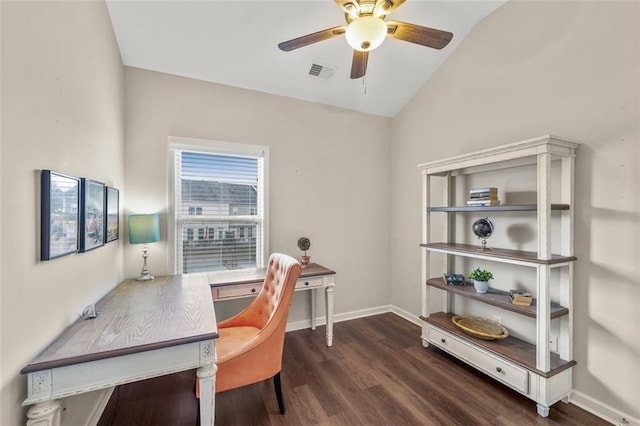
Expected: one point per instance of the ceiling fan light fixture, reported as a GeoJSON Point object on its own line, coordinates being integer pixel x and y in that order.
{"type": "Point", "coordinates": [366, 33]}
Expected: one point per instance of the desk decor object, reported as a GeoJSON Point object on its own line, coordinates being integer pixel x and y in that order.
{"type": "Point", "coordinates": [144, 229]}
{"type": "Point", "coordinates": [479, 327]}
{"type": "Point", "coordinates": [303, 244]}
{"type": "Point", "coordinates": [483, 229]}
{"type": "Point", "coordinates": [481, 279]}
{"type": "Point", "coordinates": [454, 279]}
{"type": "Point", "coordinates": [59, 216]}
{"type": "Point", "coordinates": [483, 197]}
{"type": "Point", "coordinates": [91, 214]}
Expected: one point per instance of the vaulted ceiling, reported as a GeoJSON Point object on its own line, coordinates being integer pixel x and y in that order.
{"type": "Point", "coordinates": [236, 43]}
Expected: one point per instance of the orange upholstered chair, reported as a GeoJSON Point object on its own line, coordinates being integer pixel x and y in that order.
{"type": "Point", "coordinates": [250, 344]}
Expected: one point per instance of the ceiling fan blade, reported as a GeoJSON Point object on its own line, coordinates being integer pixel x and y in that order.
{"type": "Point", "coordinates": [308, 39]}
{"type": "Point", "coordinates": [425, 36]}
{"type": "Point", "coordinates": [385, 7]}
{"type": "Point", "coordinates": [359, 64]}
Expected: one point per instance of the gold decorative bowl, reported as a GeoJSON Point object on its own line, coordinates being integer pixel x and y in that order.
{"type": "Point", "coordinates": [479, 327]}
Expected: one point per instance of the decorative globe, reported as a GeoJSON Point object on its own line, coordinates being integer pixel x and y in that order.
{"type": "Point", "coordinates": [483, 228]}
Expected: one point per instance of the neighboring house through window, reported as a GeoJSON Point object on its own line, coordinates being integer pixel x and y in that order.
{"type": "Point", "coordinates": [218, 187]}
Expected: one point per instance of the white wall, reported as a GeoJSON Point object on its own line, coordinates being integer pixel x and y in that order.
{"type": "Point", "coordinates": [329, 175]}
{"type": "Point", "coordinates": [62, 109]}
{"type": "Point", "coordinates": [529, 69]}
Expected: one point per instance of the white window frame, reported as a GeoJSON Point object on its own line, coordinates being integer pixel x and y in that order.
{"type": "Point", "coordinates": [176, 143]}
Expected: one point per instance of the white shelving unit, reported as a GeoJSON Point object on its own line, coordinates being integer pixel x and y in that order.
{"type": "Point", "coordinates": [531, 369]}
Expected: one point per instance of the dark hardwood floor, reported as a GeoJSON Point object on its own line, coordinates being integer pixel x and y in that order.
{"type": "Point", "coordinates": [376, 373]}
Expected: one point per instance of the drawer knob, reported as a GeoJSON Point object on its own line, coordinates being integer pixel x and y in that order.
{"type": "Point", "coordinates": [253, 290]}
{"type": "Point", "coordinates": [443, 340]}
{"type": "Point", "coordinates": [499, 370]}
{"type": "Point", "coordinates": [306, 283]}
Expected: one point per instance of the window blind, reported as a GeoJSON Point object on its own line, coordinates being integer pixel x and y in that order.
{"type": "Point", "coordinates": [219, 211]}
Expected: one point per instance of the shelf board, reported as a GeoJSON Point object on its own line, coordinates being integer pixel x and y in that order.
{"type": "Point", "coordinates": [516, 256]}
{"type": "Point", "coordinates": [515, 350]}
{"type": "Point", "coordinates": [497, 298]}
{"type": "Point", "coordinates": [503, 208]}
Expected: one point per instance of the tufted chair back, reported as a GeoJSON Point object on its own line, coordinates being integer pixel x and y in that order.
{"type": "Point", "coordinates": [250, 344]}
{"type": "Point", "coordinates": [273, 293]}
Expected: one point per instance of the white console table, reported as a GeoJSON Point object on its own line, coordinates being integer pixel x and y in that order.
{"type": "Point", "coordinates": [145, 329]}
{"type": "Point", "coordinates": [228, 285]}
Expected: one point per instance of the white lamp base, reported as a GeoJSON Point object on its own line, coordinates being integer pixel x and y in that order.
{"type": "Point", "coordinates": [144, 273]}
{"type": "Point", "coordinates": [147, 277]}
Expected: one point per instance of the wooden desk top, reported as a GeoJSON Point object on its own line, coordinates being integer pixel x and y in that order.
{"type": "Point", "coordinates": [136, 317]}
{"type": "Point", "coordinates": [256, 275]}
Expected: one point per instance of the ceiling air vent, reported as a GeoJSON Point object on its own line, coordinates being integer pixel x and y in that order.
{"type": "Point", "coordinates": [321, 72]}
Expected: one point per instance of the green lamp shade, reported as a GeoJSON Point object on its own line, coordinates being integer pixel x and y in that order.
{"type": "Point", "coordinates": [144, 228]}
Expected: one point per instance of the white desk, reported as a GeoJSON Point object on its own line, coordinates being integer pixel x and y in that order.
{"type": "Point", "coordinates": [145, 329]}
{"type": "Point", "coordinates": [228, 285]}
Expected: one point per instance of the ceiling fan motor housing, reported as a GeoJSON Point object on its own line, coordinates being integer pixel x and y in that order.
{"type": "Point", "coordinates": [366, 33]}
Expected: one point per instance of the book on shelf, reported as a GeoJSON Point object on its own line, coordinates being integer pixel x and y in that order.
{"type": "Point", "coordinates": [483, 203]}
{"type": "Point", "coordinates": [490, 190]}
{"type": "Point", "coordinates": [454, 279]}
{"type": "Point", "coordinates": [483, 196]}
{"type": "Point", "coordinates": [520, 297]}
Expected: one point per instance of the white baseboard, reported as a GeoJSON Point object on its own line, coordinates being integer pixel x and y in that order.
{"type": "Point", "coordinates": [406, 315]}
{"type": "Point", "coordinates": [301, 325]}
{"type": "Point", "coordinates": [602, 410]}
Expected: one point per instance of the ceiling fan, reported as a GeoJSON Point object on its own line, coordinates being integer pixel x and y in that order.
{"type": "Point", "coordinates": [366, 29]}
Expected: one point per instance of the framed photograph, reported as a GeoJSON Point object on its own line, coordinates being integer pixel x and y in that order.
{"type": "Point", "coordinates": [112, 224]}
{"type": "Point", "coordinates": [91, 214]}
{"type": "Point", "coordinates": [59, 218]}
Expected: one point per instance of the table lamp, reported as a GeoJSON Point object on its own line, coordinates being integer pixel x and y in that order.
{"type": "Point", "coordinates": [144, 229]}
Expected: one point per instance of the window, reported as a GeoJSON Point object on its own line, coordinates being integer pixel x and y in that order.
{"type": "Point", "coordinates": [227, 184]}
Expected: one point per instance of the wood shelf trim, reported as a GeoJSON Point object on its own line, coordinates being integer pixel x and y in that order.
{"type": "Point", "coordinates": [526, 257]}
{"type": "Point", "coordinates": [512, 349]}
{"type": "Point", "coordinates": [497, 298]}
{"type": "Point", "coordinates": [503, 208]}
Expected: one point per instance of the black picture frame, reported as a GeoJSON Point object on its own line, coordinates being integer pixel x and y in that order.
{"type": "Point", "coordinates": [59, 216]}
{"type": "Point", "coordinates": [112, 209]}
{"type": "Point", "coordinates": [92, 209]}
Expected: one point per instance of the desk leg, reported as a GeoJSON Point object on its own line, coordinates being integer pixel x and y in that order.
{"type": "Point", "coordinates": [312, 307]}
{"type": "Point", "coordinates": [329, 293]}
{"type": "Point", "coordinates": [207, 382]}
{"type": "Point", "coordinates": [44, 414]}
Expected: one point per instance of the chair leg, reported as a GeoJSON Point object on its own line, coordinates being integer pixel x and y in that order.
{"type": "Point", "coordinates": [278, 386]}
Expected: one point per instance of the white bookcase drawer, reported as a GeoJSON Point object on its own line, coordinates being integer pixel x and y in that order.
{"type": "Point", "coordinates": [508, 373]}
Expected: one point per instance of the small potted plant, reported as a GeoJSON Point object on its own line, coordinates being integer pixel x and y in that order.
{"type": "Point", "coordinates": [303, 244]}
{"type": "Point", "coordinates": [480, 279]}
